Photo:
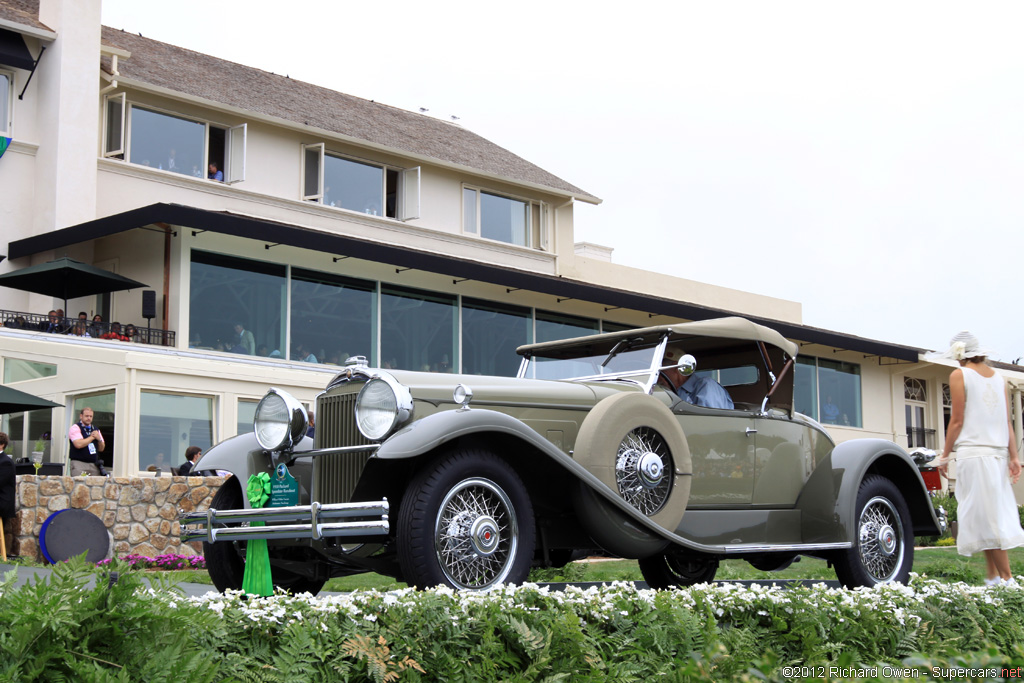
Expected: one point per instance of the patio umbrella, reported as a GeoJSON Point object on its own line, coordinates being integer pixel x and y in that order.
{"type": "Point", "coordinates": [66, 278]}
{"type": "Point", "coordinates": [14, 401]}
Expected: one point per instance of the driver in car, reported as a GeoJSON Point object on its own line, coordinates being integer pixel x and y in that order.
{"type": "Point", "coordinates": [699, 390]}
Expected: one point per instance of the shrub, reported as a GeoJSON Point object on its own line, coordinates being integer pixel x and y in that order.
{"type": "Point", "coordinates": [166, 562]}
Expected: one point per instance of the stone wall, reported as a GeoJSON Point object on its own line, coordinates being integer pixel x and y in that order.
{"type": "Point", "coordinates": [141, 514]}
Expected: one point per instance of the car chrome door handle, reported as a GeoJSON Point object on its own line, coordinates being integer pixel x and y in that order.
{"type": "Point", "coordinates": [751, 430]}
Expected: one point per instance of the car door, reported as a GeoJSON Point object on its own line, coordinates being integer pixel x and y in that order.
{"type": "Point", "coordinates": [787, 452]}
{"type": "Point", "coordinates": [722, 448]}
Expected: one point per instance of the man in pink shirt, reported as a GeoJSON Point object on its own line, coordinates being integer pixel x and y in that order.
{"type": "Point", "coordinates": [86, 445]}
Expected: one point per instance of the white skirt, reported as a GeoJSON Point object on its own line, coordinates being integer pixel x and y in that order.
{"type": "Point", "coordinates": [987, 516]}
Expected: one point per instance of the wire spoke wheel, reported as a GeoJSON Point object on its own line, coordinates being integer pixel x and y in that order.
{"type": "Point", "coordinates": [466, 521]}
{"type": "Point", "coordinates": [883, 538]}
{"type": "Point", "coordinates": [476, 534]}
{"type": "Point", "coordinates": [880, 531]}
{"type": "Point", "coordinates": [643, 470]}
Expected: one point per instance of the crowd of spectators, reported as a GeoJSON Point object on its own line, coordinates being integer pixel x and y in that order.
{"type": "Point", "coordinates": [55, 322]}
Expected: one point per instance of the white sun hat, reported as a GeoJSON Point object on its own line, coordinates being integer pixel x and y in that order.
{"type": "Point", "coordinates": [963, 345]}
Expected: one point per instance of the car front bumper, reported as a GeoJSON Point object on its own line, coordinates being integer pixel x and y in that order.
{"type": "Point", "coordinates": [313, 522]}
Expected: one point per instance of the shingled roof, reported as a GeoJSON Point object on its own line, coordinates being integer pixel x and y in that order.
{"type": "Point", "coordinates": [23, 12]}
{"type": "Point", "coordinates": [216, 80]}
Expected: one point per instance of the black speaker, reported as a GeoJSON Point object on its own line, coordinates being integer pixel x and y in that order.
{"type": "Point", "coordinates": [148, 304]}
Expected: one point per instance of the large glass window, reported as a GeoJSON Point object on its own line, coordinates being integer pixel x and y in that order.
{"type": "Point", "coordinates": [228, 293]}
{"type": "Point", "coordinates": [417, 330]}
{"type": "Point", "coordinates": [805, 386]}
{"type": "Point", "coordinates": [102, 405]}
{"type": "Point", "coordinates": [829, 391]}
{"type": "Point", "coordinates": [553, 326]}
{"type": "Point", "coordinates": [353, 185]}
{"type": "Point", "coordinates": [332, 317]}
{"type": "Point", "coordinates": [167, 142]}
{"type": "Point", "coordinates": [169, 424]}
{"type": "Point", "coordinates": [839, 384]}
{"type": "Point", "coordinates": [18, 370]}
{"type": "Point", "coordinates": [246, 416]}
{"type": "Point", "coordinates": [491, 332]}
{"type": "Point", "coordinates": [498, 218]}
{"type": "Point", "coordinates": [358, 186]}
{"type": "Point", "coordinates": [36, 440]}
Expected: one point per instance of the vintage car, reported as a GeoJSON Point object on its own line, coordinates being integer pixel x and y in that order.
{"type": "Point", "coordinates": [470, 480]}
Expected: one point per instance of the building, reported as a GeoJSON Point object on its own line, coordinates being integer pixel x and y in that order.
{"type": "Point", "coordinates": [320, 226]}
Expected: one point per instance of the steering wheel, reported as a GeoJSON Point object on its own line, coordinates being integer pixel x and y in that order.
{"type": "Point", "coordinates": [665, 382]}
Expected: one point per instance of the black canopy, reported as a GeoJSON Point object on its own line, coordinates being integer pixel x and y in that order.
{"type": "Point", "coordinates": [66, 279]}
{"type": "Point", "coordinates": [14, 401]}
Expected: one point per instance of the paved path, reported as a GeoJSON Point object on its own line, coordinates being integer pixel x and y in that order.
{"type": "Point", "coordinates": [30, 575]}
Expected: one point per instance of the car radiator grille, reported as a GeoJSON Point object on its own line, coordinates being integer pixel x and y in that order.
{"type": "Point", "coordinates": [335, 476]}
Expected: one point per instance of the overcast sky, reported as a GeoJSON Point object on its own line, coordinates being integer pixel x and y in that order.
{"type": "Point", "coordinates": [864, 159]}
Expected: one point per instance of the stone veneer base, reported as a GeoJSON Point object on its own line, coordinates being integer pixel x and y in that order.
{"type": "Point", "coordinates": [141, 514]}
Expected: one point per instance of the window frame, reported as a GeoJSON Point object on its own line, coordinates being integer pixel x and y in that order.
{"type": "Point", "coordinates": [121, 149]}
{"type": "Point", "coordinates": [409, 182]}
{"type": "Point", "coordinates": [7, 112]}
{"type": "Point", "coordinates": [532, 206]}
{"type": "Point", "coordinates": [216, 401]}
{"type": "Point", "coordinates": [817, 415]}
{"type": "Point", "coordinates": [235, 141]}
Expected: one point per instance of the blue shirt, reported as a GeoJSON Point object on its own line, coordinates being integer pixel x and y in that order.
{"type": "Point", "coordinates": [704, 391]}
{"type": "Point", "coordinates": [219, 175]}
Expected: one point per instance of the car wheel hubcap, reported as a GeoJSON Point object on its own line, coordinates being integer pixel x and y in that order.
{"type": "Point", "coordinates": [881, 546]}
{"type": "Point", "coordinates": [476, 534]}
{"type": "Point", "coordinates": [640, 470]}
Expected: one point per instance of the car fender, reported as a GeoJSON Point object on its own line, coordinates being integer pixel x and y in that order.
{"type": "Point", "coordinates": [423, 436]}
{"type": "Point", "coordinates": [829, 500]}
{"type": "Point", "coordinates": [242, 456]}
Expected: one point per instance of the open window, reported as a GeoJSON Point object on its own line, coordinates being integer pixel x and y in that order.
{"type": "Point", "coordinates": [6, 100]}
{"type": "Point", "coordinates": [497, 217]}
{"type": "Point", "coordinates": [226, 149]}
{"type": "Point", "coordinates": [313, 172]}
{"type": "Point", "coordinates": [409, 182]}
{"type": "Point", "coordinates": [361, 186]}
{"type": "Point", "coordinates": [113, 125]}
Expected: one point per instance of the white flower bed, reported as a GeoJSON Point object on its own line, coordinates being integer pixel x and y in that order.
{"type": "Point", "coordinates": [730, 602]}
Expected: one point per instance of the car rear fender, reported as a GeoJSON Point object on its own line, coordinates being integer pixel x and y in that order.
{"type": "Point", "coordinates": [851, 462]}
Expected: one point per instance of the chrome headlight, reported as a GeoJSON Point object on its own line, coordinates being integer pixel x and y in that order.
{"type": "Point", "coordinates": [382, 406]}
{"type": "Point", "coordinates": [280, 421]}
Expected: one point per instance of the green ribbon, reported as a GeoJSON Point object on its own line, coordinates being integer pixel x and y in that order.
{"type": "Point", "coordinates": [257, 579]}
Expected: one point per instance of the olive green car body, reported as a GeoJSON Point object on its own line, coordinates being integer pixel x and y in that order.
{"type": "Point", "coordinates": [758, 481]}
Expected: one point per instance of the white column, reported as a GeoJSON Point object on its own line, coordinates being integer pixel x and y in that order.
{"type": "Point", "coordinates": [68, 115]}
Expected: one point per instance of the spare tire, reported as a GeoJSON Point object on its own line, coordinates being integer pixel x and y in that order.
{"type": "Point", "coordinates": [635, 446]}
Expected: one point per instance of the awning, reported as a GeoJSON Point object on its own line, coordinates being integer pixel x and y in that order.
{"type": "Point", "coordinates": [14, 52]}
{"type": "Point", "coordinates": [273, 233]}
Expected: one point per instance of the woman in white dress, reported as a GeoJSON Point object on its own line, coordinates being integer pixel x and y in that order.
{"type": "Point", "coordinates": [986, 455]}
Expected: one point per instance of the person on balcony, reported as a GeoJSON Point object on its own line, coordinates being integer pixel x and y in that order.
{"type": "Point", "coordinates": [115, 333]}
{"type": "Point", "coordinates": [51, 324]}
{"type": "Point", "coordinates": [97, 328]}
{"type": "Point", "coordinates": [79, 330]}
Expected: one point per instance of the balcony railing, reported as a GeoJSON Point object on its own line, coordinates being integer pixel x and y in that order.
{"type": "Point", "coordinates": [75, 327]}
{"type": "Point", "coordinates": [920, 437]}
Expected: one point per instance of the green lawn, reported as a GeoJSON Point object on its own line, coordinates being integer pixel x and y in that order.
{"type": "Point", "coordinates": [937, 563]}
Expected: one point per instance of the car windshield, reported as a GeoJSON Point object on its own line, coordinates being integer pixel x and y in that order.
{"type": "Point", "coordinates": [625, 363]}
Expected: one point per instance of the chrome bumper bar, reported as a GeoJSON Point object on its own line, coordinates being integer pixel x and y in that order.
{"type": "Point", "coordinates": [313, 521]}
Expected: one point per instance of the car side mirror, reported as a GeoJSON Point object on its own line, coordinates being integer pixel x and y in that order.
{"type": "Point", "coordinates": [687, 364]}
